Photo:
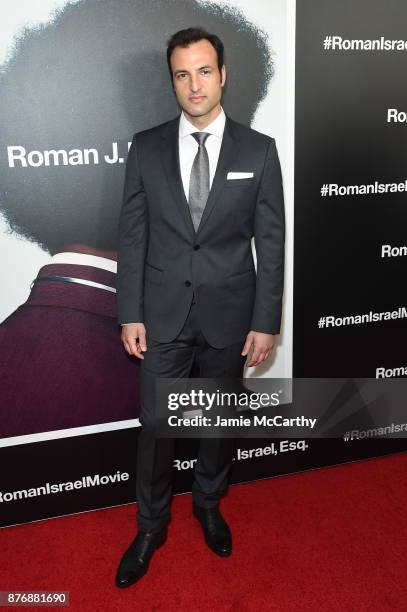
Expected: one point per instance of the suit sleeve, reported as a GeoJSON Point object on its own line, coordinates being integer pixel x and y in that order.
{"type": "Point", "coordinates": [269, 236]}
{"type": "Point", "coordinates": [132, 243]}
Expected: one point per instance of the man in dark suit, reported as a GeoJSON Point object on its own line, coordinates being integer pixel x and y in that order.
{"type": "Point", "coordinates": [197, 189]}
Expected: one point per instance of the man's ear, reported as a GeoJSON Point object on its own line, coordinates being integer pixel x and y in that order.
{"type": "Point", "coordinates": [223, 75]}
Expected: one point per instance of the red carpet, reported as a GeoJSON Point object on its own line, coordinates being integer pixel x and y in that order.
{"type": "Point", "coordinates": [333, 539]}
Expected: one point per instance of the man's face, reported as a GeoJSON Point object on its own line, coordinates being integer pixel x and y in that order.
{"type": "Point", "coordinates": [196, 77]}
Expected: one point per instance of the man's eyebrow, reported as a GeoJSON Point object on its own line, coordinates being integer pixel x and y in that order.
{"type": "Point", "coordinates": [200, 68]}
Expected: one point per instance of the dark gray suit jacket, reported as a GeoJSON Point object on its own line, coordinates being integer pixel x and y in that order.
{"type": "Point", "coordinates": [162, 261]}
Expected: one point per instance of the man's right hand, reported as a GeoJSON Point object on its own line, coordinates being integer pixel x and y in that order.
{"type": "Point", "coordinates": [134, 339]}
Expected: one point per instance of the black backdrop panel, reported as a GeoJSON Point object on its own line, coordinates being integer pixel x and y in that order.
{"type": "Point", "coordinates": [32, 466]}
{"type": "Point", "coordinates": [342, 136]}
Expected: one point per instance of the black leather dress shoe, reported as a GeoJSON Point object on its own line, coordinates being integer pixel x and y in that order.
{"type": "Point", "coordinates": [216, 531]}
{"type": "Point", "coordinates": [135, 561]}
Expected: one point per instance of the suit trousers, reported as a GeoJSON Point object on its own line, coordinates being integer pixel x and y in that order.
{"type": "Point", "coordinates": [155, 455]}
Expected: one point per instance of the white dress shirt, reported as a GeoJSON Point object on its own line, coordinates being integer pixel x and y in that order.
{"type": "Point", "coordinates": [188, 147]}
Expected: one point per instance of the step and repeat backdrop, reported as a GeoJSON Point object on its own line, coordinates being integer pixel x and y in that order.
{"type": "Point", "coordinates": [77, 79]}
{"type": "Point", "coordinates": [350, 208]}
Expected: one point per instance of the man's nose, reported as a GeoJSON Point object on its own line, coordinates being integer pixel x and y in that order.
{"type": "Point", "coordinates": [194, 84]}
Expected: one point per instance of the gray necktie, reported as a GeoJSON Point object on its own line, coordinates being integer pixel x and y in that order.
{"type": "Point", "coordinates": [199, 180]}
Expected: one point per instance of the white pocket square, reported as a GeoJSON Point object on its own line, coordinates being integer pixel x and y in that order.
{"type": "Point", "coordinates": [239, 175]}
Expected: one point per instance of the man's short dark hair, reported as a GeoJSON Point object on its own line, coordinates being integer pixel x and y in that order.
{"type": "Point", "coordinates": [187, 37]}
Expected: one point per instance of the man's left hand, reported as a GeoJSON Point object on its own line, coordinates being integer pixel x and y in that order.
{"type": "Point", "coordinates": [262, 347]}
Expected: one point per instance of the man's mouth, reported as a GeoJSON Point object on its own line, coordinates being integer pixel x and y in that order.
{"type": "Point", "coordinates": [196, 99]}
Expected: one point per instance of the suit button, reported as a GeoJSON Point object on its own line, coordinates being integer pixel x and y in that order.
{"type": "Point", "coordinates": [188, 283]}
{"type": "Point", "coordinates": [196, 247]}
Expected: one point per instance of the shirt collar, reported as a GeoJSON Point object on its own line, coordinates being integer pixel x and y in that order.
{"type": "Point", "coordinates": [216, 127]}
{"type": "Point", "coordinates": [84, 259]}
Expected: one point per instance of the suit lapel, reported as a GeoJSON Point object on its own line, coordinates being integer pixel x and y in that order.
{"type": "Point", "coordinates": [170, 158]}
